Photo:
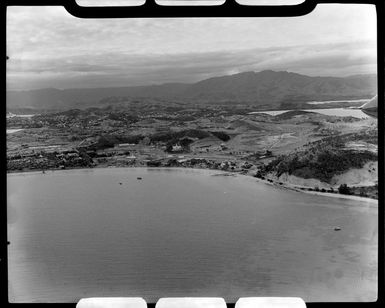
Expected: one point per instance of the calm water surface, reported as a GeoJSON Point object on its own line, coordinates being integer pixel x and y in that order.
{"type": "Point", "coordinates": [365, 100]}
{"type": "Point", "coordinates": [13, 130]}
{"type": "Point", "coordinates": [340, 112]}
{"type": "Point", "coordinates": [183, 232]}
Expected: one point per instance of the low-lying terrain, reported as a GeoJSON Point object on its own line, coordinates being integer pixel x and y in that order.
{"type": "Point", "coordinates": [298, 149]}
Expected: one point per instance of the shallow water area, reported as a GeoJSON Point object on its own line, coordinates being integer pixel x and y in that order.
{"type": "Point", "coordinates": [183, 232]}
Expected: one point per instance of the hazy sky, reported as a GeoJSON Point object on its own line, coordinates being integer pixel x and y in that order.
{"type": "Point", "coordinates": [50, 48]}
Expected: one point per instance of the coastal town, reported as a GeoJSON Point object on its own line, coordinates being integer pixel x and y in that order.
{"type": "Point", "coordinates": [229, 138]}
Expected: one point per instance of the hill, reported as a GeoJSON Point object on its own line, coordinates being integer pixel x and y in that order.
{"type": "Point", "coordinates": [326, 158]}
{"type": "Point", "coordinates": [275, 87]}
{"type": "Point", "coordinates": [266, 88]}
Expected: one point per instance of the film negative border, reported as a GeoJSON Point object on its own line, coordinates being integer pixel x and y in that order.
{"type": "Point", "coordinates": [229, 9]}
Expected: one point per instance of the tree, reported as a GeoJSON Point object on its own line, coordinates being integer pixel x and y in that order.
{"type": "Point", "coordinates": [344, 189]}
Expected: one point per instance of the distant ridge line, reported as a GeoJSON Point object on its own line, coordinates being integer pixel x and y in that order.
{"type": "Point", "coordinates": [250, 87]}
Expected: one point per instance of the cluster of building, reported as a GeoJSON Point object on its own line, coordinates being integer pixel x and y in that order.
{"type": "Point", "coordinates": [40, 158]}
{"type": "Point", "coordinates": [78, 131]}
{"type": "Point", "coordinates": [201, 163]}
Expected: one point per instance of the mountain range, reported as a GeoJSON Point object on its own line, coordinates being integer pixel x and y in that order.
{"type": "Point", "coordinates": [255, 88]}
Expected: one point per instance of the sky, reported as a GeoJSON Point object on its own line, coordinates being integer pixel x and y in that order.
{"type": "Point", "coordinates": [49, 48]}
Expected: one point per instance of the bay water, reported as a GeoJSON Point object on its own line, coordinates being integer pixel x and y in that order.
{"type": "Point", "coordinates": [153, 232]}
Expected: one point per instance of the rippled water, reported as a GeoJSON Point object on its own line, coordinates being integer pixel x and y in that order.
{"type": "Point", "coordinates": [183, 232]}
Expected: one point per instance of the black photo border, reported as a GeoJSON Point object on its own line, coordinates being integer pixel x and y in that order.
{"type": "Point", "coordinates": [229, 9]}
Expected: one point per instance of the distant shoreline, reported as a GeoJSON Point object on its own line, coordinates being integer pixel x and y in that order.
{"type": "Point", "coordinates": [224, 173]}
{"type": "Point", "coordinates": [327, 194]}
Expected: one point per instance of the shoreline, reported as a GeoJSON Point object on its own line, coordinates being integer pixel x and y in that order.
{"type": "Point", "coordinates": [326, 194]}
{"type": "Point", "coordinates": [224, 173]}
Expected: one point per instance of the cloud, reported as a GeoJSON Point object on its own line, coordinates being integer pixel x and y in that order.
{"type": "Point", "coordinates": [117, 69]}
{"type": "Point", "coordinates": [50, 48]}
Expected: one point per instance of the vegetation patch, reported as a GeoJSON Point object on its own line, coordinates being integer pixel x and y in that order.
{"type": "Point", "coordinates": [320, 163]}
{"type": "Point", "coordinates": [221, 135]}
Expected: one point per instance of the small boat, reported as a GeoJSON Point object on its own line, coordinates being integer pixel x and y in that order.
{"type": "Point", "coordinates": [138, 178]}
{"type": "Point", "coordinates": [120, 183]}
{"type": "Point", "coordinates": [337, 228]}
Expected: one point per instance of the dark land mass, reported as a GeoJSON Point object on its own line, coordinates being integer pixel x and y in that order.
{"type": "Point", "coordinates": [263, 90]}
{"type": "Point", "coordinates": [297, 149]}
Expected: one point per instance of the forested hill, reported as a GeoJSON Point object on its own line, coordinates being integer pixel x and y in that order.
{"type": "Point", "coordinates": [326, 158]}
